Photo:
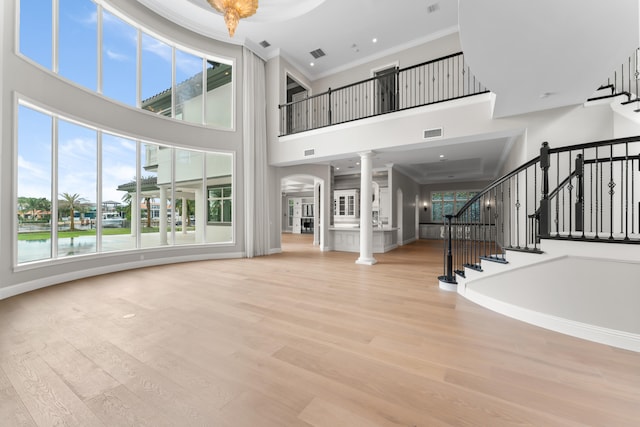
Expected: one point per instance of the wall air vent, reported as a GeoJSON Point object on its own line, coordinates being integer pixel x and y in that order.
{"type": "Point", "coordinates": [318, 53]}
{"type": "Point", "coordinates": [309, 152]}
{"type": "Point", "coordinates": [433, 8]}
{"type": "Point", "coordinates": [265, 44]}
{"type": "Point", "coordinates": [432, 133]}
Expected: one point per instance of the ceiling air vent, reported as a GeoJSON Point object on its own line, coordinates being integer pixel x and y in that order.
{"type": "Point", "coordinates": [309, 152]}
{"type": "Point", "coordinates": [433, 8]}
{"type": "Point", "coordinates": [318, 53]}
{"type": "Point", "coordinates": [265, 44]}
{"type": "Point", "coordinates": [432, 133]}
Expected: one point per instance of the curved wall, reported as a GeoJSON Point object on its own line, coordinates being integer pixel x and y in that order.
{"type": "Point", "coordinates": [23, 79]}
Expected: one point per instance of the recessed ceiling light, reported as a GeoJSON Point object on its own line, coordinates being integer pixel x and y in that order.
{"type": "Point", "coordinates": [358, 163]}
{"type": "Point", "coordinates": [311, 64]}
{"type": "Point", "coordinates": [441, 156]}
{"type": "Point", "coordinates": [337, 168]}
{"type": "Point", "coordinates": [374, 40]}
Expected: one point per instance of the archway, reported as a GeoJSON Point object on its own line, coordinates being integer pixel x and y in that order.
{"type": "Point", "coordinates": [301, 207]}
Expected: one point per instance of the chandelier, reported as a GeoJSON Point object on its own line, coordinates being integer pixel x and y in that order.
{"type": "Point", "coordinates": [234, 10]}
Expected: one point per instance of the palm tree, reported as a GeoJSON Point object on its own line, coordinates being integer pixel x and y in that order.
{"type": "Point", "coordinates": [72, 201]}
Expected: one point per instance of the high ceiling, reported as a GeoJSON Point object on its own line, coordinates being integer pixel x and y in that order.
{"type": "Point", "coordinates": [294, 28]}
{"type": "Point", "coordinates": [532, 55]}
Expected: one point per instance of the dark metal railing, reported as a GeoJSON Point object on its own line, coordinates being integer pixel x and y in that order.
{"type": "Point", "coordinates": [624, 80]}
{"type": "Point", "coordinates": [594, 196]}
{"type": "Point", "coordinates": [431, 82]}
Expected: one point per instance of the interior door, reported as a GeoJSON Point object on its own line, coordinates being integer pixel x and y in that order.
{"type": "Point", "coordinates": [386, 90]}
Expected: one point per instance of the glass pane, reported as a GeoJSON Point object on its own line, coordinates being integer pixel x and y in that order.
{"type": "Point", "coordinates": [462, 195]}
{"type": "Point", "coordinates": [156, 75]}
{"type": "Point", "coordinates": [448, 195]}
{"type": "Point", "coordinates": [436, 196]}
{"type": "Point", "coordinates": [34, 185]}
{"type": "Point", "coordinates": [219, 176]}
{"type": "Point", "coordinates": [118, 193]}
{"type": "Point", "coordinates": [77, 177]}
{"type": "Point", "coordinates": [189, 87]}
{"type": "Point", "coordinates": [77, 44]}
{"type": "Point", "coordinates": [119, 47]}
{"type": "Point", "coordinates": [437, 212]}
{"type": "Point", "coordinates": [219, 95]}
{"type": "Point", "coordinates": [188, 185]}
{"type": "Point", "coordinates": [226, 210]}
{"type": "Point", "coordinates": [149, 198]}
{"type": "Point", "coordinates": [36, 30]}
{"type": "Point", "coordinates": [448, 208]}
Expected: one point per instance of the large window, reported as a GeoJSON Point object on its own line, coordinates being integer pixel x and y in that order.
{"type": "Point", "coordinates": [448, 203]}
{"type": "Point", "coordinates": [147, 195]}
{"type": "Point", "coordinates": [34, 185]}
{"type": "Point", "coordinates": [172, 82]}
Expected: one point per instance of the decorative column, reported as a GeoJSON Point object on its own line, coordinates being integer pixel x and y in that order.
{"type": "Point", "coordinates": [163, 216]}
{"type": "Point", "coordinates": [366, 209]}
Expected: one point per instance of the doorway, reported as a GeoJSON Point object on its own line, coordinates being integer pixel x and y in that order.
{"type": "Point", "coordinates": [297, 114]}
{"type": "Point", "coordinates": [385, 90]}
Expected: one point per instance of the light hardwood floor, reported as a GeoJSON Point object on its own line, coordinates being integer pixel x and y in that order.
{"type": "Point", "coordinates": [302, 338]}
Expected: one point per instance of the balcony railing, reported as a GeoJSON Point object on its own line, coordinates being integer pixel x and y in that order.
{"type": "Point", "coordinates": [435, 81]}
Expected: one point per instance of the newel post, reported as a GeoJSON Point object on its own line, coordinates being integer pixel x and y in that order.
{"type": "Point", "coordinates": [580, 193]}
{"type": "Point", "coordinates": [545, 214]}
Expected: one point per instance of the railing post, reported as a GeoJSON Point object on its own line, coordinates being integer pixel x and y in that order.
{"type": "Point", "coordinates": [545, 215]}
{"type": "Point", "coordinates": [329, 109]}
{"type": "Point", "coordinates": [448, 277]}
{"type": "Point", "coordinates": [579, 193]}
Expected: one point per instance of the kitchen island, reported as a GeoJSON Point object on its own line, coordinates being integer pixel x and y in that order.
{"type": "Point", "coordinates": [347, 239]}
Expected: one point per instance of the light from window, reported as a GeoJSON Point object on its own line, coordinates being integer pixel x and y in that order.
{"type": "Point", "coordinates": [449, 203]}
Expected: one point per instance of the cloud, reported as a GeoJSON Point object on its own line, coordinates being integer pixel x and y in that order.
{"type": "Point", "coordinates": [158, 48]}
{"type": "Point", "coordinates": [32, 170]}
{"type": "Point", "coordinates": [116, 56]}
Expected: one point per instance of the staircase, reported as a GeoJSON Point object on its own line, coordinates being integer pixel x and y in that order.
{"type": "Point", "coordinates": [566, 224]}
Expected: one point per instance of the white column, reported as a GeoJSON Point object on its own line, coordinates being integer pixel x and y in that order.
{"type": "Point", "coordinates": [317, 187]}
{"type": "Point", "coordinates": [184, 215]}
{"type": "Point", "coordinates": [366, 224]}
{"type": "Point", "coordinates": [135, 214]}
{"type": "Point", "coordinates": [163, 216]}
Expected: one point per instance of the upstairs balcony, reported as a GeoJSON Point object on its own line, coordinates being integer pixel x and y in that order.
{"type": "Point", "coordinates": [395, 89]}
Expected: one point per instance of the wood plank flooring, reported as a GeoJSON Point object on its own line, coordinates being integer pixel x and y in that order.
{"type": "Point", "coordinates": [301, 338]}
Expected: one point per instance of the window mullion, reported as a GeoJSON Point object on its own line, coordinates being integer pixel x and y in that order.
{"type": "Point", "coordinates": [55, 32]}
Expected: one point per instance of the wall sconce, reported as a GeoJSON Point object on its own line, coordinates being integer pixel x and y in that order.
{"type": "Point", "coordinates": [488, 204]}
{"type": "Point", "coordinates": [426, 206]}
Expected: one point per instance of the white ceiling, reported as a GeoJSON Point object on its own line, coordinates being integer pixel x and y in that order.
{"type": "Point", "coordinates": [533, 55]}
{"type": "Point", "coordinates": [294, 28]}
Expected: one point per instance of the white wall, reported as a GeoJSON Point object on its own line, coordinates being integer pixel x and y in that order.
{"type": "Point", "coordinates": [410, 189]}
{"type": "Point", "coordinates": [416, 55]}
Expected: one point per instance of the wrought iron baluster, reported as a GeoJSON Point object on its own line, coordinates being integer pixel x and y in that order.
{"type": "Point", "coordinates": [557, 195]}
{"type": "Point", "coordinates": [612, 185]}
{"type": "Point", "coordinates": [626, 188]}
{"type": "Point", "coordinates": [570, 188]}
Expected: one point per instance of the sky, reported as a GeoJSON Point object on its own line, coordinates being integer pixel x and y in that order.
{"type": "Point", "coordinates": [77, 145]}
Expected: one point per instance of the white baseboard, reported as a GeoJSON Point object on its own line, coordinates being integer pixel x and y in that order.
{"type": "Point", "coordinates": [274, 251]}
{"type": "Point", "coordinates": [615, 338]}
{"type": "Point", "coordinates": [20, 288]}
